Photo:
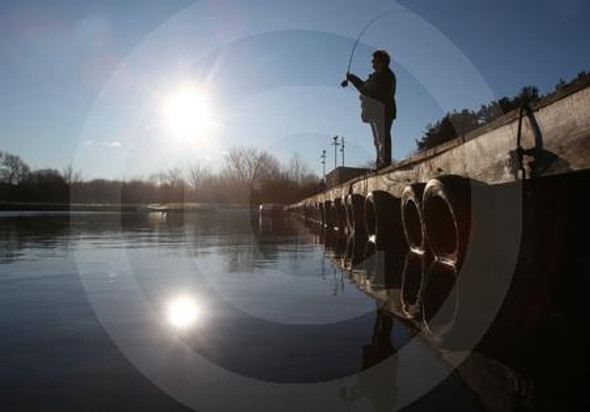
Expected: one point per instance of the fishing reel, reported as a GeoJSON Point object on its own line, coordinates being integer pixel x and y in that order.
{"type": "Point", "coordinates": [345, 81]}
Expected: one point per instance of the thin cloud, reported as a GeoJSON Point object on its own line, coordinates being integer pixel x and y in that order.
{"type": "Point", "coordinates": [112, 144]}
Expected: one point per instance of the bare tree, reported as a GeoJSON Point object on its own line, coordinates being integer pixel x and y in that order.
{"type": "Point", "coordinates": [13, 170]}
{"type": "Point", "coordinates": [248, 165]}
{"type": "Point", "coordinates": [197, 174]}
{"type": "Point", "coordinates": [70, 176]}
{"type": "Point", "coordinates": [241, 164]}
{"type": "Point", "coordinates": [297, 170]}
{"type": "Point", "coordinates": [247, 170]}
{"type": "Point", "coordinates": [171, 177]}
{"type": "Point", "coordinates": [174, 177]}
{"type": "Point", "coordinates": [268, 168]}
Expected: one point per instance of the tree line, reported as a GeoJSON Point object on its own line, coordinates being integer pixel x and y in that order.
{"type": "Point", "coordinates": [459, 123]}
{"type": "Point", "coordinates": [246, 175]}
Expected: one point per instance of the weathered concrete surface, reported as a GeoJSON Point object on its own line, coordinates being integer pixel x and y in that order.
{"type": "Point", "coordinates": [344, 174]}
{"type": "Point", "coordinates": [555, 138]}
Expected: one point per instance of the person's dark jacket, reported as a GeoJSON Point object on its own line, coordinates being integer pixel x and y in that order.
{"type": "Point", "coordinates": [379, 86]}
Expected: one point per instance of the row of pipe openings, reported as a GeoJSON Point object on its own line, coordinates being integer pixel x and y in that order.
{"type": "Point", "coordinates": [429, 225]}
{"type": "Point", "coordinates": [431, 217]}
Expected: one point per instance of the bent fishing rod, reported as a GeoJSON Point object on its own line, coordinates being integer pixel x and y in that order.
{"type": "Point", "coordinates": [356, 43]}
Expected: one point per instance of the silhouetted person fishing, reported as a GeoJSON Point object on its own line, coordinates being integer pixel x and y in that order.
{"type": "Point", "coordinates": [378, 104]}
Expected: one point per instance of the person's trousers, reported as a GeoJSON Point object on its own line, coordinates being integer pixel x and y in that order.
{"type": "Point", "coordinates": [382, 140]}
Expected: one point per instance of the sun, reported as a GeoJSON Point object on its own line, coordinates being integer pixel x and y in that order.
{"type": "Point", "coordinates": [187, 112]}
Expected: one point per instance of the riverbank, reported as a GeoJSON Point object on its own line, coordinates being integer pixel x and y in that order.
{"type": "Point", "coordinates": [109, 207]}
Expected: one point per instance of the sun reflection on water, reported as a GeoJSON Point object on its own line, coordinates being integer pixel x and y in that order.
{"type": "Point", "coordinates": [183, 312]}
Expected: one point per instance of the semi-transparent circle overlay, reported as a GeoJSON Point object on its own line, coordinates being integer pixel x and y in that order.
{"type": "Point", "coordinates": [201, 30]}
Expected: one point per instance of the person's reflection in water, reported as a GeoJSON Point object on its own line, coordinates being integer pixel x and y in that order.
{"type": "Point", "coordinates": [377, 380]}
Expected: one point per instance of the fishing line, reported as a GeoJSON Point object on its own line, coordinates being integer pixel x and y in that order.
{"type": "Point", "coordinates": [356, 43]}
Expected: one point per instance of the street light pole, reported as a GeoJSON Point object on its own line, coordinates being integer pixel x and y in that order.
{"type": "Point", "coordinates": [342, 149]}
{"type": "Point", "coordinates": [323, 157]}
{"type": "Point", "coordinates": [335, 144]}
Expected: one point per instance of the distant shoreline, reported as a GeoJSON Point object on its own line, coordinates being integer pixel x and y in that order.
{"type": "Point", "coordinates": [112, 207]}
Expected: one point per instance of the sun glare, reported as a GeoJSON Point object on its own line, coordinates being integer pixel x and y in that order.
{"type": "Point", "coordinates": [188, 113]}
{"type": "Point", "coordinates": [183, 312]}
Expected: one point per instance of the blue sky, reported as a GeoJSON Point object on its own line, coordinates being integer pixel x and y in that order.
{"type": "Point", "coordinates": [84, 82]}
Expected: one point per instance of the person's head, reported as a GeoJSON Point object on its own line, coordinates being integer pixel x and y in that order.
{"type": "Point", "coordinates": [380, 60]}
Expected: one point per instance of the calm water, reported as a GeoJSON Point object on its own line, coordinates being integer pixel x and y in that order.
{"type": "Point", "coordinates": [212, 311]}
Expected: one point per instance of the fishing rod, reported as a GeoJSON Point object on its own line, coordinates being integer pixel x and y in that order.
{"type": "Point", "coordinates": [356, 43]}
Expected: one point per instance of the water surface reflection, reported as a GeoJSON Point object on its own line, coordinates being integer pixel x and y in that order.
{"type": "Point", "coordinates": [254, 298]}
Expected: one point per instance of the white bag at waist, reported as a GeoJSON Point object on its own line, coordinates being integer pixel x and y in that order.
{"type": "Point", "coordinates": [372, 110]}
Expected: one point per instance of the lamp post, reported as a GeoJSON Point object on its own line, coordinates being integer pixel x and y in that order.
{"type": "Point", "coordinates": [323, 162]}
{"type": "Point", "coordinates": [342, 149]}
{"type": "Point", "coordinates": [335, 144]}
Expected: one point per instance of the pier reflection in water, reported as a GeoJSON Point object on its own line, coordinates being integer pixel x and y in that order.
{"type": "Point", "coordinates": [420, 292]}
{"type": "Point", "coordinates": [531, 352]}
